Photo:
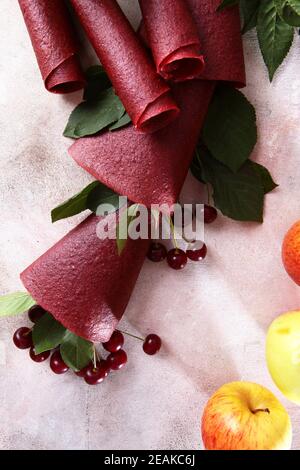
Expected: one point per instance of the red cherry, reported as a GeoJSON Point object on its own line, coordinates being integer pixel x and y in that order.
{"type": "Point", "coordinates": [82, 372]}
{"type": "Point", "coordinates": [35, 313]}
{"type": "Point", "coordinates": [23, 338]}
{"type": "Point", "coordinates": [115, 343]}
{"type": "Point", "coordinates": [157, 252]}
{"type": "Point", "coordinates": [197, 254]}
{"type": "Point", "coordinates": [210, 214]}
{"type": "Point", "coordinates": [38, 357]}
{"type": "Point", "coordinates": [177, 259]}
{"type": "Point", "coordinates": [117, 360]}
{"type": "Point", "coordinates": [152, 344]}
{"type": "Point", "coordinates": [57, 364]}
{"type": "Point", "coordinates": [96, 375]}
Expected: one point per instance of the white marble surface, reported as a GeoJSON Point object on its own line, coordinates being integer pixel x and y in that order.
{"type": "Point", "coordinates": [212, 317]}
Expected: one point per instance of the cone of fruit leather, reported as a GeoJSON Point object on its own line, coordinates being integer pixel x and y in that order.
{"type": "Point", "coordinates": [151, 169]}
{"type": "Point", "coordinates": [51, 33]}
{"type": "Point", "coordinates": [174, 39]}
{"type": "Point", "coordinates": [146, 97]}
{"type": "Point", "coordinates": [83, 281]}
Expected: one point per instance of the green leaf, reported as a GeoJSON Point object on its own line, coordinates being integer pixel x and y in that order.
{"type": "Point", "coordinates": [97, 82]}
{"type": "Point", "coordinates": [229, 130]}
{"type": "Point", "coordinates": [123, 121]}
{"type": "Point", "coordinates": [125, 218]}
{"type": "Point", "coordinates": [227, 3]}
{"type": "Point", "coordinates": [249, 11]}
{"type": "Point", "coordinates": [76, 204]}
{"type": "Point", "coordinates": [274, 35]}
{"type": "Point", "coordinates": [289, 10]}
{"type": "Point", "coordinates": [240, 195]}
{"type": "Point", "coordinates": [102, 195]}
{"type": "Point", "coordinates": [90, 117]}
{"type": "Point", "coordinates": [295, 4]}
{"type": "Point", "coordinates": [91, 197]}
{"type": "Point", "coordinates": [47, 334]}
{"type": "Point", "coordinates": [265, 177]}
{"type": "Point", "coordinates": [76, 352]}
{"type": "Point", "coordinates": [16, 303]}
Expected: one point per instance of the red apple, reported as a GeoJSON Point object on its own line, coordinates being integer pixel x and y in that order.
{"type": "Point", "coordinates": [245, 416]}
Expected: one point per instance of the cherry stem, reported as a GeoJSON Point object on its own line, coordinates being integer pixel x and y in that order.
{"type": "Point", "coordinates": [98, 355]}
{"type": "Point", "coordinates": [173, 233]}
{"type": "Point", "coordinates": [94, 357]}
{"type": "Point", "coordinates": [132, 336]}
{"type": "Point", "coordinates": [261, 410]}
{"type": "Point", "coordinates": [190, 242]}
{"type": "Point", "coordinates": [183, 235]}
{"type": "Point", "coordinates": [208, 194]}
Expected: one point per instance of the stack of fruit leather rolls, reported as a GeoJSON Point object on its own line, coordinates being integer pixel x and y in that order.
{"type": "Point", "coordinates": [146, 97]}
{"type": "Point", "coordinates": [88, 273]}
{"type": "Point", "coordinates": [52, 36]}
{"type": "Point", "coordinates": [151, 169]}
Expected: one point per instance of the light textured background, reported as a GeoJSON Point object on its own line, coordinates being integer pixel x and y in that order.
{"type": "Point", "coordinates": [212, 316]}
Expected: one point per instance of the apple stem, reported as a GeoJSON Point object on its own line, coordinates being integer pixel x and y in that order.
{"type": "Point", "coordinates": [262, 410]}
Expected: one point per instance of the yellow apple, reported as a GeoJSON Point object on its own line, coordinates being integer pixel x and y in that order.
{"type": "Point", "coordinates": [245, 416]}
{"type": "Point", "coordinates": [283, 354]}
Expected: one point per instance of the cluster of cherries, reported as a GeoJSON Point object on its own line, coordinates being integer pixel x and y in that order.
{"type": "Point", "coordinates": [177, 258]}
{"type": "Point", "coordinates": [96, 371]}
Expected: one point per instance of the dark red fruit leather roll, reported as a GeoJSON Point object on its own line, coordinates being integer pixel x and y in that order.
{"type": "Point", "coordinates": [173, 38]}
{"type": "Point", "coordinates": [146, 97]}
{"type": "Point", "coordinates": [50, 30]}
{"type": "Point", "coordinates": [151, 169]}
{"type": "Point", "coordinates": [220, 34]}
{"type": "Point", "coordinates": [84, 283]}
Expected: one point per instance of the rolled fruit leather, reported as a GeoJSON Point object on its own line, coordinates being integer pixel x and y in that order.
{"type": "Point", "coordinates": [145, 95]}
{"type": "Point", "coordinates": [174, 39]}
{"type": "Point", "coordinates": [83, 282]}
{"type": "Point", "coordinates": [161, 164]}
{"type": "Point", "coordinates": [53, 40]}
{"type": "Point", "coordinates": [151, 169]}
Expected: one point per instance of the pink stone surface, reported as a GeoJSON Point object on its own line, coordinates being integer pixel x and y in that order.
{"type": "Point", "coordinates": [212, 317]}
